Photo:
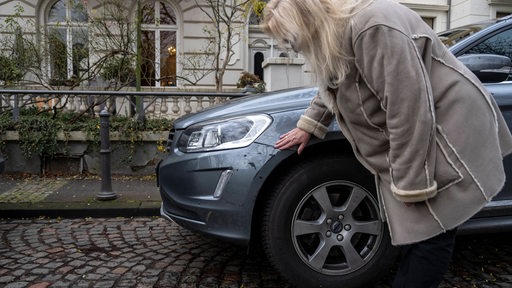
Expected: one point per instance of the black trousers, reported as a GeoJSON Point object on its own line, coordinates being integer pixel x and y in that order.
{"type": "Point", "coordinates": [424, 264]}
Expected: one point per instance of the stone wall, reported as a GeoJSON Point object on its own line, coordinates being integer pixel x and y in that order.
{"type": "Point", "coordinates": [80, 155]}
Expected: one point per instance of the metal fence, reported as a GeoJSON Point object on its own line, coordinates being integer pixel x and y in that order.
{"type": "Point", "coordinates": [169, 105]}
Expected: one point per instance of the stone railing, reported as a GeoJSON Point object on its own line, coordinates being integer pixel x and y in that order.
{"type": "Point", "coordinates": [123, 103]}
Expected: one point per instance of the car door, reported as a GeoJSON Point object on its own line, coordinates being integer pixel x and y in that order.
{"type": "Point", "coordinates": [496, 41]}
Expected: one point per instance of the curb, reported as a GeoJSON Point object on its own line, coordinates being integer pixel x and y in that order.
{"type": "Point", "coordinates": [80, 210]}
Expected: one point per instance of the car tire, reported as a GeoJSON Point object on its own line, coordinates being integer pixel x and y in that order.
{"type": "Point", "coordinates": [322, 228]}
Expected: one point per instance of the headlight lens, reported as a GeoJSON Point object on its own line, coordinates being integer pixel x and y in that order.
{"type": "Point", "coordinates": [224, 134]}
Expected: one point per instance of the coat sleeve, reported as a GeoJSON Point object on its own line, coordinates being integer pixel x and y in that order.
{"type": "Point", "coordinates": [317, 116]}
{"type": "Point", "coordinates": [392, 66]}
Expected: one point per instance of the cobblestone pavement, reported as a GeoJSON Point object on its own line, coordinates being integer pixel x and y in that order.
{"type": "Point", "coordinates": [151, 252]}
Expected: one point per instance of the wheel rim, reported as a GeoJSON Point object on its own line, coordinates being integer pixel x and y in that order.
{"type": "Point", "coordinates": [336, 228]}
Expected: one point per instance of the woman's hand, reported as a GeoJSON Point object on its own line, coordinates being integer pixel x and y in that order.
{"type": "Point", "coordinates": [292, 138]}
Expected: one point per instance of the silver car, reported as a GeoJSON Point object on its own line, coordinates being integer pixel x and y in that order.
{"type": "Point", "coordinates": [316, 215]}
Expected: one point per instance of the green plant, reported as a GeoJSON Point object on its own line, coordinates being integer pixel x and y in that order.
{"type": "Point", "coordinates": [5, 123]}
{"type": "Point", "coordinates": [38, 136]}
{"type": "Point", "coordinates": [132, 131]}
{"type": "Point", "coordinates": [38, 130]}
{"type": "Point", "coordinates": [250, 80]}
{"type": "Point", "coordinates": [258, 8]}
{"type": "Point", "coordinates": [9, 70]}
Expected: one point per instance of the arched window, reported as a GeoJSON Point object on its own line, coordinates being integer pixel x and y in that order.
{"type": "Point", "coordinates": [67, 24]}
{"type": "Point", "coordinates": [258, 64]}
{"type": "Point", "coordinates": [159, 49]}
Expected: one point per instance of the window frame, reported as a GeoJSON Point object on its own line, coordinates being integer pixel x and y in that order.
{"type": "Point", "coordinates": [68, 25]}
{"type": "Point", "coordinates": [157, 28]}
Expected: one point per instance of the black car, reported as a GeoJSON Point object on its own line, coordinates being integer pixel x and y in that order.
{"type": "Point", "coordinates": [223, 177]}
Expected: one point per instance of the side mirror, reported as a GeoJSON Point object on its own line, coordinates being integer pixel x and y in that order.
{"type": "Point", "coordinates": [489, 68]}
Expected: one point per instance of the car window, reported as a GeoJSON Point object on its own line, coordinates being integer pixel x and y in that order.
{"type": "Point", "coordinates": [499, 44]}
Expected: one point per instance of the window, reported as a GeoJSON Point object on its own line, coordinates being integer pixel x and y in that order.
{"type": "Point", "coordinates": [68, 37]}
{"type": "Point", "coordinates": [498, 44]}
{"type": "Point", "coordinates": [258, 64]}
{"type": "Point", "coordinates": [429, 21]}
{"type": "Point", "coordinates": [502, 14]}
{"type": "Point", "coordinates": [159, 29]}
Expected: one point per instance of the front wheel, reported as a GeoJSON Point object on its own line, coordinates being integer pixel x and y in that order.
{"type": "Point", "coordinates": [321, 226]}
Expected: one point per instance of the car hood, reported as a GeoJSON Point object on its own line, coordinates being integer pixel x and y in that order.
{"type": "Point", "coordinates": [269, 103]}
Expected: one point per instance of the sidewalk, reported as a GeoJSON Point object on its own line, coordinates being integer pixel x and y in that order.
{"type": "Point", "coordinates": [76, 197]}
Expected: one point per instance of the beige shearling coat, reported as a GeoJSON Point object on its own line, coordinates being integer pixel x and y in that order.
{"type": "Point", "coordinates": [418, 119]}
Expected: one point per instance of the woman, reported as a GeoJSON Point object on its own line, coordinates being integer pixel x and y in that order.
{"type": "Point", "coordinates": [416, 117]}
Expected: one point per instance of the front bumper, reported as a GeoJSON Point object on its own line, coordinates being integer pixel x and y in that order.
{"type": "Point", "coordinates": [213, 192]}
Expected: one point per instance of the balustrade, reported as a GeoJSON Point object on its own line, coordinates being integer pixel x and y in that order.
{"type": "Point", "coordinates": [168, 105]}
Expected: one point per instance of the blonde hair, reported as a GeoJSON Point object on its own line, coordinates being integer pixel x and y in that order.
{"type": "Point", "coordinates": [314, 28]}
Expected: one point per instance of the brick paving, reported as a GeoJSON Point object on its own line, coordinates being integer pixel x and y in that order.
{"type": "Point", "coordinates": [152, 252]}
{"type": "Point", "coordinates": [31, 190]}
{"type": "Point", "coordinates": [75, 196]}
{"type": "Point", "coordinates": [122, 252]}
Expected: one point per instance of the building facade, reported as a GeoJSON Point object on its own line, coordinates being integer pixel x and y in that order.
{"type": "Point", "coordinates": [178, 42]}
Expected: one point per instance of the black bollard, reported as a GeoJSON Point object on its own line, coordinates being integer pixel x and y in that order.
{"type": "Point", "coordinates": [106, 192]}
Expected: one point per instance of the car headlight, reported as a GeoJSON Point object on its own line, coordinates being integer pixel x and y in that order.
{"type": "Point", "coordinates": [223, 134]}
